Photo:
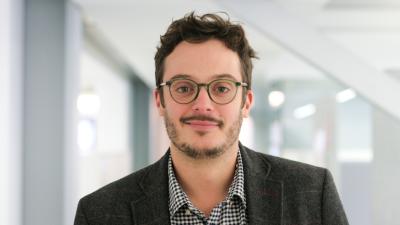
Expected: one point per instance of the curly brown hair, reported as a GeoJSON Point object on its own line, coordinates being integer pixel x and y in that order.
{"type": "Point", "coordinates": [196, 29]}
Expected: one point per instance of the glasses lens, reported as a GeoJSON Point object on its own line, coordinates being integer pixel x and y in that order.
{"type": "Point", "coordinates": [222, 91]}
{"type": "Point", "coordinates": [183, 91]}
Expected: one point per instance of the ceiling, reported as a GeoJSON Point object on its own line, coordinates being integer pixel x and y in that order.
{"type": "Point", "coordinates": [369, 29]}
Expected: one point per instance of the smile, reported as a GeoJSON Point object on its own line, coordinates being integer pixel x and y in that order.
{"type": "Point", "coordinates": [202, 123]}
{"type": "Point", "coordinates": [202, 126]}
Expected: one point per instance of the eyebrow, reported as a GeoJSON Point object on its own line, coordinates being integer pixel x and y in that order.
{"type": "Point", "coordinates": [217, 76]}
{"type": "Point", "coordinates": [179, 76]}
{"type": "Point", "coordinates": [224, 75]}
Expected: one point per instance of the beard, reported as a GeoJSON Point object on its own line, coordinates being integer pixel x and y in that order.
{"type": "Point", "coordinates": [231, 136]}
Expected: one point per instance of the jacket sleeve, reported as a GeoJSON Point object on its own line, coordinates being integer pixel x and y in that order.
{"type": "Point", "coordinates": [80, 217]}
{"type": "Point", "coordinates": [332, 208]}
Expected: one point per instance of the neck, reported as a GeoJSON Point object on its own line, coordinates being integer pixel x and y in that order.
{"type": "Point", "coordinates": [205, 181]}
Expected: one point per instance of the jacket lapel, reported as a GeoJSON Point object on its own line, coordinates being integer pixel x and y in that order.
{"type": "Point", "coordinates": [152, 208]}
{"type": "Point", "coordinates": [264, 196]}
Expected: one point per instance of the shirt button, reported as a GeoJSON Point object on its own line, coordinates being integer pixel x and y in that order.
{"type": "Point", "coordinates": [187, 212]}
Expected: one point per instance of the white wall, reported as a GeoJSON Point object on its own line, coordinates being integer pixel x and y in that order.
{"type": "Point", "coordinates": [385, 166]}
{"type": "Point", "coordinates": [10, 111]}
{"type": "Point", "coordinates": [4, 109]}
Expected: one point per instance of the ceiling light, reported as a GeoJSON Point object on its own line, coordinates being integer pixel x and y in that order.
{"type": "Point", "coordinates": [88, 103]}
{"type": "Point", "coordinates": [276, 98]}
{"type": "Point", "coordinates": [345, 95]}
{"type": "Point", "coordinates": [304, 111]}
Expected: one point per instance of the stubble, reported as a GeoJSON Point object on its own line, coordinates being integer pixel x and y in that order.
{"type": "Point", "coordinates": [231, 135]}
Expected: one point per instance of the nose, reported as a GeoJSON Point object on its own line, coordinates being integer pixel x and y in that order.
{"type": "Point", "coordinates": [202, 103]}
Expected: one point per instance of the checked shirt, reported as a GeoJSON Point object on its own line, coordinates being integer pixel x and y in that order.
{"type": "Point", "coordinates": [231, 211]}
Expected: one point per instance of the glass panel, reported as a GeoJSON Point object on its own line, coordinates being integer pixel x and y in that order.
{"type": "Point", "coordinates": [307, 116]}
{"type": "Point", "coordinates": [104, 125]}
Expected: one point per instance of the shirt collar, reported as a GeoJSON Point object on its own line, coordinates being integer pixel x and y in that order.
{"type": "Point", "coordinates": [178, 198]}
{"type": "Point", "coordinates": [237, 186]}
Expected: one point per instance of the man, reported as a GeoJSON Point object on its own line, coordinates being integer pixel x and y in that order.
{"type": "Point", "coordinates": [203, 78]}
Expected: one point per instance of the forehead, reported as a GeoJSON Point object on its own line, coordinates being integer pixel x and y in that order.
{"type": "Point", "coordinates": [202, 61]}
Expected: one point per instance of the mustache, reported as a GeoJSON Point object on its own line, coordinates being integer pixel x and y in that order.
{"type": "Point", "coordinates": [201, 118]}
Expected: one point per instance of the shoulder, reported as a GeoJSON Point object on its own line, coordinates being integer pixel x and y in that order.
{"type": "Point", "coordinates": [120, 187]}
{"type": "Point", "coordinates": [118, 195]}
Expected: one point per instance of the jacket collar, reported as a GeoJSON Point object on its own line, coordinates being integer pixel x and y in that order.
{"type": "Point", "coordinates": [263, 195]}
{"type": "Point", "coordinates": [152, 207]}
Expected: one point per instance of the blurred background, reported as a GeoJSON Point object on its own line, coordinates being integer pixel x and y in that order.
{"type": "Point", "coordinates": [77, 112]}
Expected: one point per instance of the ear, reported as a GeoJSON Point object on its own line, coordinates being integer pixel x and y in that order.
{"type": "Point", "coordinates": [248, 104]}
{"type": "Point", "coordinates": [157, 98]}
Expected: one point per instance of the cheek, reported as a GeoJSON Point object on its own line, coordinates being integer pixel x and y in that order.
{"type": "Point", "coordinates": [174, 111]}
{"type": "Point", "coordinates": [231, 114]}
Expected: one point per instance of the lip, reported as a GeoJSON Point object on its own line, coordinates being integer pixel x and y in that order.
{"type": "Point", "coordinates": [202, 124]}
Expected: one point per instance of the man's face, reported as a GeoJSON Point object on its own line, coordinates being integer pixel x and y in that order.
{"type": "Point", "coordinates": [203, 128]}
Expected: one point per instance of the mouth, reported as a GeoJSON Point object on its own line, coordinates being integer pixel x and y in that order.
{"type": "Point", "coordinates": [202, 122]}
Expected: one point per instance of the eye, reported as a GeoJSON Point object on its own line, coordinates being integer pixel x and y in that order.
{"type": "Point", "coordinates": [221, 87]}
{"type": "Point", "coordinates": [183, 89]}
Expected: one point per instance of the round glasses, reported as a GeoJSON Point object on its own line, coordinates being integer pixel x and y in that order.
{"type": "Point", "coordinates": [220, 91]}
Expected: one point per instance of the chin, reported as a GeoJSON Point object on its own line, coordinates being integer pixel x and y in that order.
{"type": "Point", "coordinates": [202, 144]}
{"type": "Point", "coordinates": [200, 147]}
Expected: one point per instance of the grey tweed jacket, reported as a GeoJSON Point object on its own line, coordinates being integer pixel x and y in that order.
{"type": "Point", "coordinates": [278, 192]}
